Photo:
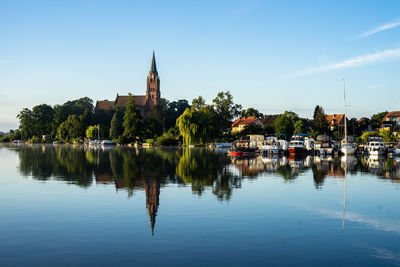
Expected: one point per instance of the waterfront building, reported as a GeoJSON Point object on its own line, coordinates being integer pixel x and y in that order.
{"type": "Point", "coordinates": [391, 121]}
{"type": "Point", "coordinates": [144, 103]}
{"type": "Point", "coordinates": [240, 124]}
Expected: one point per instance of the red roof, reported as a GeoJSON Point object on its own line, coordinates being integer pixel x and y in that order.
{"type": "Point", "coordinates": [244, 120]}
{"type": "Point", "coordinates": [104, 104]}
{"type": "Point", "coordinates": [336, 119]}
{"type": "Point", "coordinates": [391, 114]}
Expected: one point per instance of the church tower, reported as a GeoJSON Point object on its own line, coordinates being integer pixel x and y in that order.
{"type": "Point", "coordinates": [153, 94]}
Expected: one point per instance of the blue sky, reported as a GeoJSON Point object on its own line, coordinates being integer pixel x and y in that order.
{"type": "Point", "coordinates": [271, 55]}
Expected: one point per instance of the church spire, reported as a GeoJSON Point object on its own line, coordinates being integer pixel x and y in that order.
{"type": "Point", "coordinates": [153, 67]}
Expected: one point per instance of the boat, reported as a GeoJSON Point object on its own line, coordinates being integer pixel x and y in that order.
{"type": "Point", "coordinates": [242, 148]}
{"type": "Point", "coordinates": [297, 145]}
{"type": "Point", "coordinates": [223, 145]}
{"type": "Point", "coordinates": [348, 146]}
{"type": "Point", "coordinates": [257, 139]}
{"type": "Point", "coordinates": [271, 145]}
{"type": "Point", "coordinates": [108, 143]}
{"type": "Point", "coordinates": [310, 143]}
{"type": "Point", "coordinates": [375, 145]}
{"type": "Point", "coordinates": [324, 144]}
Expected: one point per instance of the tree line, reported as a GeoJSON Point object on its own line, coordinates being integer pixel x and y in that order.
{"type": "Point", "coordinates": [171, 123]}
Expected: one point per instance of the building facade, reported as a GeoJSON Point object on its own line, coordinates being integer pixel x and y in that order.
{"type": "Point", "coordinates": [144, 103]}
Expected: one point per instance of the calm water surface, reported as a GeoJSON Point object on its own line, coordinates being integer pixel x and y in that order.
{"type": "Point", "coordinates": [69, 206]}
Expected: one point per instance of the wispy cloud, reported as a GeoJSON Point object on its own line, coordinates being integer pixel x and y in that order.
{"type": "Point", "coordinates": [390, 54]}
{"type": "Point", "coordinates": [387, 26]}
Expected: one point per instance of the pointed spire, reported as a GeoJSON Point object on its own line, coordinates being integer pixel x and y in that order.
{"type": "Point", "coordinates": [153, 67]}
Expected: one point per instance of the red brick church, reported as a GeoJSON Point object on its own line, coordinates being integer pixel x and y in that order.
{"type": "Point", "coordinates": [144, 103]}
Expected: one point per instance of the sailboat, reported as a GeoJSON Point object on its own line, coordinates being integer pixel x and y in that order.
{"type": "Point", "coordinates": [348, 147]}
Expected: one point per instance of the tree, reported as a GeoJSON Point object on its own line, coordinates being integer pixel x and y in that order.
{"type": "Point", "coordinates": [132, 121]}
{"type": "Point", "coordinates": [152, 128]}
{"type": "Point", "coordinates": [26, 123]}
{"type": "Point", "coordinates": [198, 103]}
{"type": "Point", "coordinates": [251, 112]}
{"type": "Point", "coordinates": [285, 123]}
{"type": "Point", "coordinates": [116, 128]}
{"type": "Point", "coordinates": [376, 119]}
{"type": "Point", "coordinates": [43, 116]}
{"type": "Point", "coordinates": [299, 127]}
{"type": "Point", "coordinates": [365, 135]}
{"type": "Point", "coordinates": [320, 124]}
{"type": "Point", "coordinates": [225, 108]}
{"type": "Point", "coordinates": [71, 129]}
{"type": "Point", "coordinates": [193, 126]}
{"type": "Point", "coordinates": [387, 136]}
{"type": "Point", "coordinates": [92, 131]}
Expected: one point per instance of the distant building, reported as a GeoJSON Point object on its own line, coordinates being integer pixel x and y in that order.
{"type": "Point", "coordinates": [145, 103]}
{"type": "Point", "coordinates": [269, 119]}
{"type": "Point", "coordinates": [391, 121]}
{"type": "Point", "coordinates": [241, 123]}
{"type": "Point", "coordinates": [335, 121]}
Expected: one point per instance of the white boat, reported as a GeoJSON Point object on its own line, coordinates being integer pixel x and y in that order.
{"type": "Point", "coordinates": [108, 143]}
{"type": "Point", "coordinates": [375, 146]}
{"type": "Point", "coordinates": [297, 145]}
{"type": "Point", "coordinates": [310, 143]}
{"type": "Point", "coordinates": [348, 146]}
{"type": "Point", "coordinates": [257, 139]}
{"type": "Point", "coordinates": [223, 145]}
{"type": "Point", "coordinates": [271, 145]}
{"type": "Point", "coordinates": [324, 145]}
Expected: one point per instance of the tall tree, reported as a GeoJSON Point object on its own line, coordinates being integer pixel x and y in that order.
{"type": "Point", "coordinates": [26, 123]}
{"type": "Point", "coordinates": [226, 109]}
{"type": "Point", "coordinates": [320, 124]}
{"type": "Point", "coordinates": [116, 128]}
{"type": "Point", "coordinates": [285, 123]}
{"type": "Point", "coordinates": [193, 126]}
{"type": "Point", "coordinates": [251, 112]}
{"type": "Point", "coordinates": [198, 103]}
{"type": "Point", "coordinates": [43, 116]}
{"type": "Point", "coordinates": [132, 121]}
{"type": "Point", "coordinates": [376, 119]}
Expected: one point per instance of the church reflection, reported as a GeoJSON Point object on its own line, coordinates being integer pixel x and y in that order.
{"type": "Point", "coordinates": [149, 170]}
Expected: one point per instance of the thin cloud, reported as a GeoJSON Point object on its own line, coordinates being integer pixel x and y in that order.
{"type": "Point", "coordinates": [390, 54]}
{"type": "Point", "coordinates": [387, 26]}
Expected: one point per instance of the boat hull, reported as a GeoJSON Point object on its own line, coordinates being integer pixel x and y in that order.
{"type": "Point", "coordinates": [297, 150]}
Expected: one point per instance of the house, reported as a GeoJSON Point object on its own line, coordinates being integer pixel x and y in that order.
{"type": "Point", "coordinates": [391, 121]}
{"type": "Point", "coordinates": [269, 119]}
{"type": "Point", "coordinates": [241, 123]}
{"type": "Point", "coordinates": [335, 121]}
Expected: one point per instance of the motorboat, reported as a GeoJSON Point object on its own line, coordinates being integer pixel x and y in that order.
{"type": "Point", "coordinates": [241, 148]}
{"type": "Point", "coordinates": [375, 145]}
{"type": "Point", "coordinates": [271, 145]}
{"type": "Point", "coordinates": [108, 143]}
{"type": "Point", "coordinates": [324, 145]}
{"type": "Point", "coordinates": [297, 145]}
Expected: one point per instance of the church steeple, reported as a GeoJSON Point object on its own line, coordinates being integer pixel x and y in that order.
{"type": "Point", "coordinates": [153, 94]}
{"type": "Point", "coordinates": [153, 67]}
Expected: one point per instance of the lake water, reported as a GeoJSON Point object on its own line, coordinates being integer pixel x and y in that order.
{"type": "Point", "coordinates": [70, 206]}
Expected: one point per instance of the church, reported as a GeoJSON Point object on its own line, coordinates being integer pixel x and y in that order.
{"type": "Point", "coordinates": [144, 103]}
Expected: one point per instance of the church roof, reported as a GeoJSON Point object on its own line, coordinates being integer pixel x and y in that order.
{"type": "Point", "coordinates": [121, 100]}
{"type": "Point", "coordinates": [104, 104]}
{"type": "Point", "coordinates": [153, 67]}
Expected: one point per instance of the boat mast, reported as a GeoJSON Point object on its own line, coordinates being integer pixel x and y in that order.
{"type": "Point", "coordinates": [98, 131]}
{"type": "Point", "coordinates": [345, 120]}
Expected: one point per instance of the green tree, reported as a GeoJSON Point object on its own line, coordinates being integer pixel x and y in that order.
{"type": "Point", "coordinates": [132, 121]}
{"type": "Point", "coordinates": [376, 119]}
{"type": "Point", "coordinates": [299, 127]}
{"type": "Point", "coordinates": [116, 128]}
{"type": "Point", "coordinates": [388, 136]}
{"type": "Point", "coordinates": [198, 103]}
{"type": "Point", "coordinates": [193, 127]}
{"type": "Point", "coordinates": [92, 131]}
{"type": "Point", "coordinates": [320, 124]}
{"type": "Point", "coordinates": [226, 109]}
{"type": "Point", "coordinates": [285, 123]}
{"type": "Point", "coordinates": [365, 135]}
{"type": "Point", "coordinates": [71, 129]}
{"type": "Point", "coordinates": [26, 123]}
{"type": "Point", "coordinates": [251, 112]}
{"type": "Point", "coordinates": [43, 116]}
{"type": "Point", "coordinates": [152, 128]}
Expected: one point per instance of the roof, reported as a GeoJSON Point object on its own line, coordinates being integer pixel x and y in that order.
{"type": "Point", "coordinates": [245, 121]}
{"type": "Point", "coordinates": [121, 100]}
{"type": "Point", "coordinates": [335, 118]}
{"type": "Point", "coordinates": [153, 67]}
{"type": "Point", "coordinates": [392, 114]}
{"type": "Point", "coordinates": [104, 104]}
{"type": "Point", "coordinates": [269, 119]}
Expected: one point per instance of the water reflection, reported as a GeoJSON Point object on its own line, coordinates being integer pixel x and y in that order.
{"type": "Point", "coordinates": [202, 169]}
